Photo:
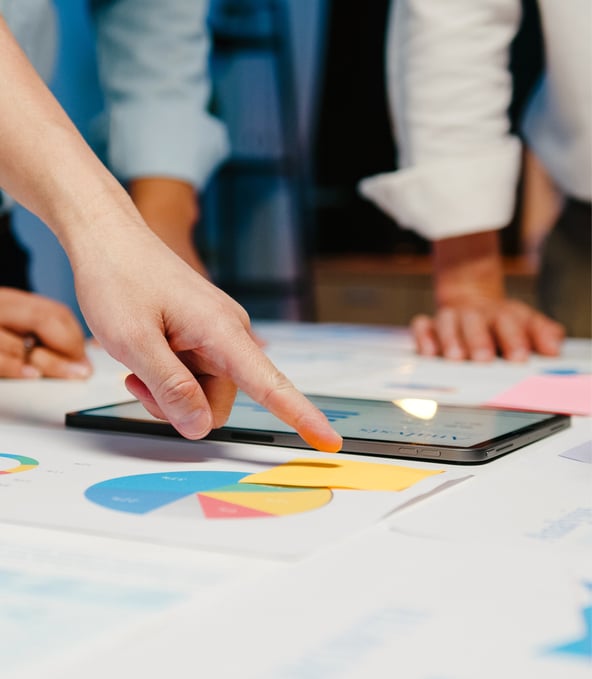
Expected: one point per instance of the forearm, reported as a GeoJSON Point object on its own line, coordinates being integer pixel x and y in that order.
{"type": "Point", "coordinates": [45, 164]}
{"type": "Point", "coordinates": [169, 206]}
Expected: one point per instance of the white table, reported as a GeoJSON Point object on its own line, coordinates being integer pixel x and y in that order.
{"type": "Point", "coordinates": [490, 577]}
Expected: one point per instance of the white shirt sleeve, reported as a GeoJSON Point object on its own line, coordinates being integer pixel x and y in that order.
{"type": "Point", "coordinates": [449, 90]}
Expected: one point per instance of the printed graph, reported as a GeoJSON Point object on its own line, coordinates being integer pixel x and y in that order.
{"type": "Point", "coordinates": [580, 647]}
{"type": "Point", "coordinates": [13, 464]}
{"type": "Point", "coordinates": [204, 495]}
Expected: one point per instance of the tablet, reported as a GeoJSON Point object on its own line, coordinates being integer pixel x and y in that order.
{"type": "Point", "coordinates": [405, 428]}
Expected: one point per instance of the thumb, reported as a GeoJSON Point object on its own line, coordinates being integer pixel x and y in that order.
{"type": "Point", "coordinates": [167, 388]}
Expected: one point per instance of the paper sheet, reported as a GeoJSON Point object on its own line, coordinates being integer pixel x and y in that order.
{"type": "Point", "coordinates": [532, 496]}
{"type": "Point", "coordinates": [581, 453]}
{"type": "Point", "coordinates": [62, 594]}
{"type": "Point", "coordinates": [175, 492]}
{"type": "Point", "coordinates": [380, 606]}
{"type": "Point", "coordinates": [571, 394]}
{"type": "Point", "coordinates": [315, 473]}
{"type": "Point", "coordinates": [381, 362]}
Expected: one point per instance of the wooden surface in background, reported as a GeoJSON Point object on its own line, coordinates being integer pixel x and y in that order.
{"type": "Point", "coordinates": [391, 289]}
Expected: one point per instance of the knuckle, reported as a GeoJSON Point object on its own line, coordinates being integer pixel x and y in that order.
{"type": "Point", "coordinates": [243, 316]}
{"type": "Point", "coordinates": [239, 320]}
{"type": "Point", "coordinates": [276, 384]}
{"type": "Point", "coordinates": [62, 312]}
{"type": "Point", "coordinates": [175, 390]}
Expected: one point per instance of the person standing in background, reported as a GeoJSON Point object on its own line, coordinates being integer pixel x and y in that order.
{"type": "Point", "coordinates": [449, 89]}
{"type": "Point", "coordinates": [156, 134]}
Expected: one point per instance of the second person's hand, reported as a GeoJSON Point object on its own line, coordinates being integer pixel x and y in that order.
{"type": "Point", "coordinates": [479, 331]}
{"type": "Point", "coordinates": [475, 320]}
{"type": "Point", "coordinates": [39, 337]}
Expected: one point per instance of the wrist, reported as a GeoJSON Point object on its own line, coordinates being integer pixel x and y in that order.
{"type": "Point", "coordinates": [167, 204]}
{"type": "Point", "coordinates": [468, 268]}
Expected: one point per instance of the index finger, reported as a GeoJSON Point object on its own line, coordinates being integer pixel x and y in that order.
{"type": "Point", "coordinates": [257, 376]}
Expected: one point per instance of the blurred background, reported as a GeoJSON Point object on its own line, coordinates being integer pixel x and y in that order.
{"type": "Point", "coordinates": [300, 86]}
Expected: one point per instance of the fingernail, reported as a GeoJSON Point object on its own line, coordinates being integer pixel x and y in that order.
{"type": "Point", "coordinates": [518, 355]}
{"type": "Point", "coordinates": [553, 346]}
{"type": "Point", "coordinates": [482, 355]}
{"type": "Point", "coordinates": [196, 425]}
{"type": "Point", "coordinates": [78, 370]}
{"type": "Point", "coordinates": [428, 349]}
{"type": "Point", "coordinates": [319, 434]}
{"type": "Point", "coordinates": [454, 353]}
{"type": "Point", "coordinates": [30, 372]}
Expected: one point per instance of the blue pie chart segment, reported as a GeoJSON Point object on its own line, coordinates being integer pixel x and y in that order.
{"type": "Point", "coordinates": [143, 493]}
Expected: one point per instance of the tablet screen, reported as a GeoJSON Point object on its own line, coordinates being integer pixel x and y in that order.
{"type": "Point", "coordinates": [411, 421]}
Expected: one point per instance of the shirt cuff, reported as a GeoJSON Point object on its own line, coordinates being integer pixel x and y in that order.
{"type": "Point", "coordinates": [161, 143]}
{"type": "Point", "coordinates": [451, 198]}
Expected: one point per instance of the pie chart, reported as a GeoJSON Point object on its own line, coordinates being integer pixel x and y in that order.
{"type": "Point", "coordinates": [20, 463]}
{"type": "Point", "coordinates": [204, 494]}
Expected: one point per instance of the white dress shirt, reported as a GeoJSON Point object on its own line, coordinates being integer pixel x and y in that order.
{"type": "Point", "coordinates": [449, 89]}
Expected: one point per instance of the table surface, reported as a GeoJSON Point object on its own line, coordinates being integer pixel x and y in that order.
{"type": "Point", "coordinates": [488, 576]}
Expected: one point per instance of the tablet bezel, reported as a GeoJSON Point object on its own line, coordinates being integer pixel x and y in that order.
{"type": "Point", "coordinates": [91, 418]}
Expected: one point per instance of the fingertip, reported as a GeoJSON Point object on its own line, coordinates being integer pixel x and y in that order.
{"type": "Point", "coordinates": [547, 335]}
{"type": "Point", "coordinates": [78, 370]}
{"type": "Point", "coordinates": [427, 348]}
{"type": "Point", "coordinates": [454, 353]}
{"type": "Point", "coordinates": [483, 355]}
{"type": "Point", "coordinates": [323, 438]}
{"type": "Point", "coordinates": [518, 355]}
{"type": "Point", "coordinates": [30, 372]}
{"type": "Point", "coordinates": [550, 345]}
{"type": "Point", "coordinates": [423, 333]}
{"type": "Point", "coordinates": [334, 446]}
{"type": "Point", "coordinates": [195, 425]}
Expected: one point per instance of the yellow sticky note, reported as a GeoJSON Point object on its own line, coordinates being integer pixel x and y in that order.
{"type": "Point", "coordinates": [316, 473]}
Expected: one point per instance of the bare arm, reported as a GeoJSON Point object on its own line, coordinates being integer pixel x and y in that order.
{"type": "Point", "coordinates": [170, 207]}
{"type": "Point", "coordinates": [187, 344]}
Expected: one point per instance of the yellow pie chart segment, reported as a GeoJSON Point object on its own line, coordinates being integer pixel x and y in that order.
{"type": "Point", "coordinates": [277, 504]}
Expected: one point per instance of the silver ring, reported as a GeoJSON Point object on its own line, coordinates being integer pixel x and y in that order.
{"type": "Point", "coordinates": [30, 341]}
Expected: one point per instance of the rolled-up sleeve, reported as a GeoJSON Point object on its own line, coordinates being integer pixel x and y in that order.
{"type": "Point", "coordinates": [153, 65]}
{"type": "Point", "coordinates": [449, 88]}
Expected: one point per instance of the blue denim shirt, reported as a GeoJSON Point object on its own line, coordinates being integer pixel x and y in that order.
{"type": "Point", "coordinates": [153, 67]}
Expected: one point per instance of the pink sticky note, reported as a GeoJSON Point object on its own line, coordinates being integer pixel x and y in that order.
{"type": "Point", "coordinates": [570, 394]}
